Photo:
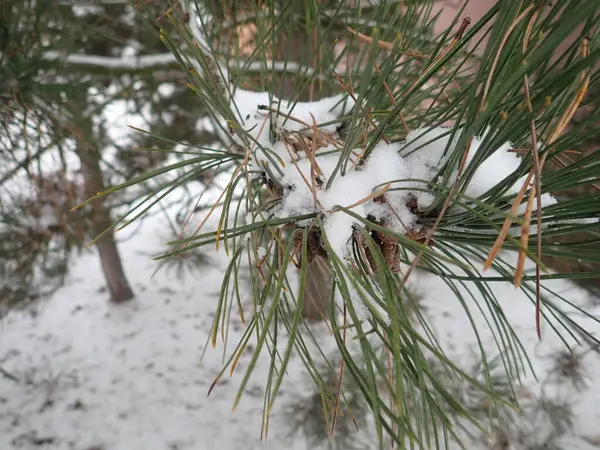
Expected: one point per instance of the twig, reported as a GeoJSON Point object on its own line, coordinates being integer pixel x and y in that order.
{"type": "Point", "coordinates": [312, 155]}
{"type": "Point", "coordinates": [366, 199]}
{"type": "Point", "coordinates": [386, 86]}
{"type": "Point", "coordinates": [289, 116]}
{"type": "Point", "coordinates": [385, 45]}
{"type": "Point", "coordinates": [537, 189]}
{"type": "Point", "coordinates": [312, 188]}
{"type": "Point", "coordinates": [524, 151]}
{"type": "Point", "coordinates": [524, 240]}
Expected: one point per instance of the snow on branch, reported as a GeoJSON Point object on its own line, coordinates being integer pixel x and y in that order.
{"type": "Point", "coordinates": [297, 152]}
{"type": "Point", "coordinates": [92, 2]}
{"type": "Point", "coordinates": [389, 187]}
{"type": "Point", "coordinates": [166, 60]}
{"type": "Point", "coordinates": [114, 63]}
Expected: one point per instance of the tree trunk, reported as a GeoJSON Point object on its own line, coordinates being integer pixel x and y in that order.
{"type": "Point", "coordinates": [101, 221]}
{"type": "Point", "coordinates": [298, 47]}
{"type": "Point", "coordinates": [113, 270]}
{"type": "Point", "coordinates": [319, 283]}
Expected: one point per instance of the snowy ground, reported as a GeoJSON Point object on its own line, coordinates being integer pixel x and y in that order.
{"type": "Point", "coordinates": [99, 376]}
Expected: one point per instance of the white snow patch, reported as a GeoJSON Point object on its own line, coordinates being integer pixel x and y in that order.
{"type": "Point", "coordinates": [428, 149]}
{"type": "Point", "coordinates": [206, 124]}
{"type": "Point", "coordinates": [355, 187]}
{"type": "Point", "coordinates": [249, 109]}
{"type": "Point", "coordinates": [166, 89]}
{"type": "Point", "coordinates": [118, 116]}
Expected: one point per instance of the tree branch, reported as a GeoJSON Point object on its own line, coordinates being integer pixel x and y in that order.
{"type": "Point", "coordinates": [161, 61]}
{"type": "Point", "coordinates": [126, 64]}
{"type": "Point", "coordinates": [91, 2]}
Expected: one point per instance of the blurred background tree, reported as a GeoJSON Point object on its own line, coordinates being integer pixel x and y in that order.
{"type": "Point", "coordinates": [66, 67]}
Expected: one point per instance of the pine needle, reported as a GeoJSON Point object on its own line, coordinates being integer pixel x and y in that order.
{"type": "Point", "coordinates": [524, 238]}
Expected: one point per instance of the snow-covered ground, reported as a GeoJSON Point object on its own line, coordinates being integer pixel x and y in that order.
{"type": "Point", "coordinates": [98, 376]}
{"type": "Point", "coordinates": [92, 375]}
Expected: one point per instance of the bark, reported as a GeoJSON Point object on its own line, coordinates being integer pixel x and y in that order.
{"type": "Point", "coordinates": [319, 283]}
{"type": "Point", "coordinates": [299, 48]}
{"type": "Point", "coordinates": [112, 267]}
{"type": "Point", "coordinates": [303, 52]}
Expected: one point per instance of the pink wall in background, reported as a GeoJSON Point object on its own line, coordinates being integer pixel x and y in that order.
{"type": "Point", "coordinates": [477, 9]}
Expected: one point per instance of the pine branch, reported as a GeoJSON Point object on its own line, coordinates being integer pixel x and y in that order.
{"type": "Point", "coordinates": [161, 61]}
{"type": "Point", "coordinates": [92, 2]}
{"type": "Point", "coordinates": [165, 61]}
{"type": "Point", "coordinates": [367, 187]}
{"type": "Point", "coordinates": [122, 64]}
